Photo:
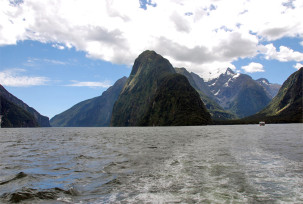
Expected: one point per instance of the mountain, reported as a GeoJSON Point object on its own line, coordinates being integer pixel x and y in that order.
{"type": "Point", "coordinates": [176, 103]}
{"type": "Point", "coordinates": [271, 89]}
{"type": "Point", "coordinates": [15, 116]}
{"type": "Point", "coordinates": [238, 93]}
{"type": "Point", "coordinates": [95, 112]}
{"type": "Point", "coordinates": [155, 95]}
{"type": "Point", "coordinates": [216, 111]}
{"type": "Point", "coordinates": [43, 121]}
{"type": "Point", "coordinates": [286, 106]}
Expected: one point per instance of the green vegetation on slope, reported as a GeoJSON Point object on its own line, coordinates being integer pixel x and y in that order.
{"type": "Point", "coordinates": [143, 95]}
{"type": "Point", "coordinates": [43, 121]}
{"type": "Point", "coordinates": [146, 76]}
{"type": "Point", "coordinates": [286, 106]}
{"type": "Point", "coordinates": [176, 103]}
{"type": "Point", "coordinates": [14, 116]}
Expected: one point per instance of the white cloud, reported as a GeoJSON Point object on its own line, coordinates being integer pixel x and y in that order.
{"type": "Point", "coordinates": [284, 54]}
{"type": "Point", "coordinates": [37, 62]}
{"type": "Point", "coordinates": [60, 47]}
{"type": "Point", "coordinates": [298, 65]}
{"type": "Point", "coordinates": [13, 77]}
{"type": "Point", "coordinates": [253, 67]}
{"type": "Point", "coordinates": [90, 84]}
{"type": "Point", "coordinates": [118, 30]}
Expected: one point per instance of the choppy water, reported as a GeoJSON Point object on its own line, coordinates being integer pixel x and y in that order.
{"type": "Point", "coordinates": [211, 164]}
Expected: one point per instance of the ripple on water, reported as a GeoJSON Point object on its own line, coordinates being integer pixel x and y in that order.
{"type": "Point", "coordinates": [213, 164]}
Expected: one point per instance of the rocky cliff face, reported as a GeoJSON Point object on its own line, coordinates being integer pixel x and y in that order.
{"type": "Point", "coordinates": [143, 95]}
{"type": "Point", "coordinates": [95, 112]}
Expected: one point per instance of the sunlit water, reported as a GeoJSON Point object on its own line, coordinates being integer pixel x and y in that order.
{"type": "Point", "coordinates": [210, 164]}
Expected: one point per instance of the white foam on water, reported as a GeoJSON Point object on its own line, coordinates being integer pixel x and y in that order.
{"type": "Point", "coordinates": [273, 176]}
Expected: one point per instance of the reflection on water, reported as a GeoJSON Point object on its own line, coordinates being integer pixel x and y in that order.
{"type": "Point", "coordinates": [210, 164]}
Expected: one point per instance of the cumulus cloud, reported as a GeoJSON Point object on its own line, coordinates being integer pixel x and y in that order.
{"type": "Point", "coordinates": [284, 54]}
{"type": "Point", "coordinates": [253, 67]}
{"type": "Point", "coordinates": [90, 84]}
{"type": "Point", "coordinates": [14, 77]}
{"type": "Point", "coordinates": [189, 32]}
{"type": "Point", "coordinates": [298, 65]}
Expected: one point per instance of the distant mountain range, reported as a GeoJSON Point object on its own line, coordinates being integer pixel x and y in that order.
{"type": "Point", "coordinates": [287, 105]}
{"type": "Point", "coordinates": [18, 114]}
{"type": "Point", "coordinates": [157, 94]}
{"type": "Point", "coordinates": [232, 95]}
{"type": "Point", "coordinates": [271, 89]}
{"type": "Point", "coordinates": [238, 93]}
{"type": "Point", "coordinates": [216, 111]}
{"type": "Point", "coordinates": [95, 112]}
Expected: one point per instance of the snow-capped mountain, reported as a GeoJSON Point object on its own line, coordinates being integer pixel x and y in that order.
{"type": "Point", "coordinates": [238, 93]}
{"type": "Point", "coordinates": [271, 89]}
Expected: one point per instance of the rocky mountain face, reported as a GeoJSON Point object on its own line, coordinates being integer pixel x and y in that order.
{"type": "Point", "coordinates": [95, 112]}
{"type": "Point", "coordinates": [216, 111]}
{"type": "Point", "coordinates": [286, 106]}
{"type": "Point", "coordinates": [271, 89]}
{"type": "Point", "coordinates": [155, 95]}
{"type": "Point", "coordinates": [42, 121]}
{"type": "Point", "coordinates": [238, 93]}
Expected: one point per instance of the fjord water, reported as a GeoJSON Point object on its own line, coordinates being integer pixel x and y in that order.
{"type": "Point", "coordinates": [208, 164]}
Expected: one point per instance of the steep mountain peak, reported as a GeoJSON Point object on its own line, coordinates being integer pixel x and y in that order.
{"type": "Point", "coordinates": [149, 61]}
{"type": "Point", "coordinates": [229, 71]}
{"type": "Point", "coordinates": [238, 93]}
{"type": "Point", "coordinates": [263, 80]}
{"type": "Point", "coordinates": [144, 91]}
{"type": "Point", "coordinates": [271, 89]}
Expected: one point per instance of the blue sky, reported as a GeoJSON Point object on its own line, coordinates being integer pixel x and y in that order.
{"type": "Point", "coordinates": [56, 54]}
{"type": "Point", "coordinates": [60, 74]}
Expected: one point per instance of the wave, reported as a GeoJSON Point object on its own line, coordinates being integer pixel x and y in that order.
{"type": "Point", "coordinates": [35, 194]}
{"type": "Point", "coordinates": [18, 176]}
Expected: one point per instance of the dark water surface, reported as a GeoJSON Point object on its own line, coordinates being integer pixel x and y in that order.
{"type": "Point", "coordinates": [211, 164]}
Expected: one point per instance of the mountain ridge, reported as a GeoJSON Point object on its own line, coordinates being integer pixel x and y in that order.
{"type": "Point", "coordinates": [285, 107]}
{"type": "Point", "coordinates": [94, 112]}
{"type": "Point", "coordinates": [216, 111]}
{"type": "Point", "coordinates": [43, 121]}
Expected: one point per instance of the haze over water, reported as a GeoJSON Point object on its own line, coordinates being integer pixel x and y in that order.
{"type": "Point", "coordinates": [209, 164]}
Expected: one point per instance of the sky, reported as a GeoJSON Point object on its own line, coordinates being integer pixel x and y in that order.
{"type": "Point", "coordinates": [54, 54]}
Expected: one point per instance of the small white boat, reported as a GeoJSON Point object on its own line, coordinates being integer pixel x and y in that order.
{"type": "Point", "coordinates": [262, 123]}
